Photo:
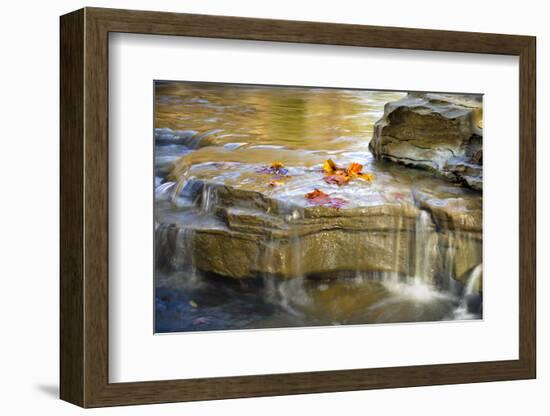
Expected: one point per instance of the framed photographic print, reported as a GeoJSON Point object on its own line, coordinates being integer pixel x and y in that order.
{"type": "Point", "coordinates": [256, 207]}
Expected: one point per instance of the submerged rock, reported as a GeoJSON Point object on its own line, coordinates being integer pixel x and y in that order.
{"type": "Point", "coordinates": [190, 138]}
{"type": "Point", "coordinates": [439, 132]}
{"type": "Point", "coordinates": [166, 136]}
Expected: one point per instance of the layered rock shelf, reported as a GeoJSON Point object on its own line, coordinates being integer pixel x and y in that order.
{"type": "Point", "coordinates": [225, 218]}
{"type": "Point", "coordinates": [289, 207]}
{"type": "Point", "coordinates": [242, 233]}
{"type": "Point", "coordinates": [439, 132]}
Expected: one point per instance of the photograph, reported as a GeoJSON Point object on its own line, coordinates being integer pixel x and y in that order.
{"type": "Point", "coordinates": [290, 206]}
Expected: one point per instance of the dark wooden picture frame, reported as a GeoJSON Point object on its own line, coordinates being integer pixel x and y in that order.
{"type": "Point", "coordinates": [84, 207]}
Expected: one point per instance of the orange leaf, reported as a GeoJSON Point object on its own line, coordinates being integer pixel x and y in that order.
{"type": "Point", "coordinates": [315, 194]}
{"type": "Point", "coordinates": [318, 197]}
{"type": "Point", "coordinates": [339, 178]}
{"type": "Point", "coordinates": [354, 169]}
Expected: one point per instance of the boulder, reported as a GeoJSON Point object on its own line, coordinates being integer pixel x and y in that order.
{"type": "Point", "coordinates": [439, 132]}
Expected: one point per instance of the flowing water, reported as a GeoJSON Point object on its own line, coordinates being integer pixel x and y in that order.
{"type": "Point", "coordinates": [212, 135]}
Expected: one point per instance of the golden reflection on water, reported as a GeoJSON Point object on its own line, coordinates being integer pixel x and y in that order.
{"type": "Point", "coordinates": [246, 127]}
{"type": "Point", "coordinates": [285, 119]}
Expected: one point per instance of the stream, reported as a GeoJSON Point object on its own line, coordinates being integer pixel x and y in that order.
{"type": "Point", "coordinates": [236, 250]}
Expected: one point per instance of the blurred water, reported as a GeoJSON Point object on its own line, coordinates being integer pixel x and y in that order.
{"type": "Point", "coordinates": [224, 134]}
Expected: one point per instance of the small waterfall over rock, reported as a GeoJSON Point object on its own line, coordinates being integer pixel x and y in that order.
{"type": "Point", "coordinates": [208, 200]}
{"type": "Point", "coordinates": [248, 249]}
{"type": "Point", "coordinates": [421, 265]}
{"type": "Point", "coordinates": [426, 248]}
{"type": "Point", "coordinates": [164, 191]}
{"type": "Point", "coordinates": [471, 302]}
{"type": "Point", "coordinates": [473, 284]}
{"type": "Point", "coordinates": [291, 292]}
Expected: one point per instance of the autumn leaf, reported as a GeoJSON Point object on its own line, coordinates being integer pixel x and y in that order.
{"type": "Point", "coordinates": [339, 178]}
{"type": "Point", "coordinates": [276, 168]}
{"type": "Point", "coordinates": [354, 169]}
{"type": "Point", "coordinates": [318, 197]}
{"type": "Point", "coordinates": [329, 166]}
{"type": "Point", "coordinates": [315, 194]}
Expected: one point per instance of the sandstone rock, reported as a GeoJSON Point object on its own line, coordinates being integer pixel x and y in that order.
{"type": "Point", "coordinates": [439, 132]}
{"type": "Point", "coordinates": [251, 233]}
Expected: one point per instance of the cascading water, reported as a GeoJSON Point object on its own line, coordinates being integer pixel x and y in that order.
{"type": "Point", "coordinates": [421, 284]}
{"type": "Point", "coordinates": [470, 305]}
{"type": "Point", "coordinates": [474, 281]}
{"type": "Point", "coordinates": [416, 281]}
{"type": "Point", "coordinates": [290, 293]}
{"type": "Point", "coordinates": [164, 191]}
{"type": "Point", "coordinates": [426, 248]}
{"type": "Point", "coordinates": [413, 277]}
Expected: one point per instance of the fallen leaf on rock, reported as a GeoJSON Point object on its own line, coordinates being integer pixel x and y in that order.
{"type": "Point", "coordinates": [193, 304]}
{"type": "Point", "coordinates": [339, 176]}
{"type": "Point", "coordinates": [329, 166]}
{"type": "Point", "coordinates": [315, 194]}
{"type": "Point", "coordinates": [276, 168]}
{"type": "Point", "coordinates": [318, 197]}
{"type": "Point", "coordinates": [354, 169]}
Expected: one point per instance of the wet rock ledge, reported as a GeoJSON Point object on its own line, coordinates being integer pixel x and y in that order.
{"type": "Point", "coordinates": [227, 220]}
{"type": "Point", "coordinates": [241, 233]}
{"type": "Point", "coordinates": [439, 132]}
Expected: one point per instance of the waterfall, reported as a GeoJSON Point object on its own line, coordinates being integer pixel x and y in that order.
{"type": "Point", "coordinates": [397, 246]}
{"type": "Point", "coordinates": [426, 248]}
{"type": "Point", "coordinates": [164, 191]}
{"type": "Point", "coordinates": [209, 199]}
{"type": "Point", "coordinates": [174, 242]}
{"type": "Point", "coordinates": [471, 302]}
{"type": "Point", "coordinates": [290, 292]}
{"type": "Point", "coordinates": [184, 248]}
{"type": "Point", "coordinates": [174, 247]}
{"type": "Point", "coordinates": [473, 280]}
{"type": "Point", "coordinates": [162, 246]}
